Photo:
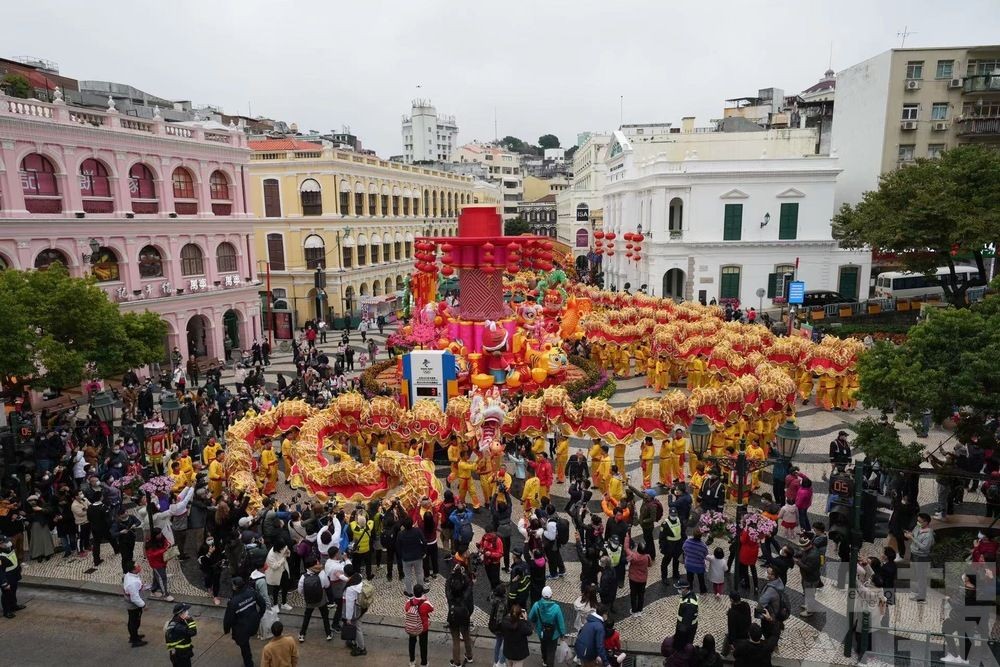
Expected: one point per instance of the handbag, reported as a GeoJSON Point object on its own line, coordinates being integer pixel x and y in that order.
{"type": "Point", "coordinates": [348, 632]}
{"type": "Point", "coordinates": [171, 553]}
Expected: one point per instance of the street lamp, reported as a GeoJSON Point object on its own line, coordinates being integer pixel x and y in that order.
{"type": "Point", "coordinates": [701, 435]}
{"type": "Point", "coordinates": [107, 410]}
{"type": "Point", "coordinates": [787, 437]}
{"type": "Point", "coordinates": [170, 408]}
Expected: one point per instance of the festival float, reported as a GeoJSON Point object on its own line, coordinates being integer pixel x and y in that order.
{"type": "Point", "coordinates": [495, 364]}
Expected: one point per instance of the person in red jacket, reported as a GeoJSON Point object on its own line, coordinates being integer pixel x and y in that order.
{"type": "Point", "coordinates": [543, 471]}
{"type": "Point", "coordinates": [156, 547]}
{"type": "Point", "coordinates": [424, 608]}
{"type": "Point", "coordinates": [749, 552]}
{"type": "Point", "coordinates": [491, 548]}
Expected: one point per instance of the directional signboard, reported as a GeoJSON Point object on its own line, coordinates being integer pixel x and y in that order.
{"type": "Point", "coordinates": [796, 292]}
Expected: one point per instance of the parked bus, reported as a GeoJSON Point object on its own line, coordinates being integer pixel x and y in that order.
{"type": "Point", "coordinates": [899, 285]}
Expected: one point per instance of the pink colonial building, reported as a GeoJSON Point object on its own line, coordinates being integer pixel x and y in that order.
{"type": "Point", "coordinates": [156, 211]}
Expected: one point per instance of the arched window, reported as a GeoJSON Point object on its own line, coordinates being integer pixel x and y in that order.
{"type": "Point", "coordinates": [451, 210]}
{"type": "Point", "coordinates": [387, 249]}
{"type": "Point", "coordinates": [95, 187]}
{"type": "Point", "coordinates": [150, 263]}
{"type": "Point", "coordinates": [399, 283]}
{"type": "Point", "coordinates": [105, 266]}
{"type": "Point", "coordinates": [47, 257]}
{"type": "Point", "coordinates": [434, 208]}
{"type": "Point", "coordinates": [397, 246]}
{"type": "Point", "coordinates": [312, 197]}
{"type": "Point", "coordinates": [407, 196]}
{"type": "Point", "coordinates": [192, 260]}
{"type": "Point", "coordinates": [315, 251]}
{"type": "Point", "coordinates": [372, 198]}
{"type": "Point", "coordinates": [396, 195]}
{"type": "Point", "coordinates": [582, 238]}
{"type": "Point", "coordinates": [377, 287]}
{"type": "Point", "coordinates": [345, 197]}
{"type": "Point", "coordinates": [427, 202]}
{"type": "Point", "coordinates": [276, 251]}
{"type": "Point", "coordinates": [94, 179]}
{"type": "Point", "coordinates": [359, 199]}
{"type": "Point", "coordinates": [218, 184]}
{"type": "Point", "coordinates": [347, 259]}
{"type": "Point", "coordinates": [388, 285]}
{"type": "Point", "coordinates": [385, 200]}
{"type": "Point", "coordinates": [183, 183]}
{"type": "Point", "coordinates": [376, 245]}
{"type": "Point", "coordinates": [38, 183]}
{"type": "Point", "coordinates": [362, 250]}
{"type": "Point", "coordinates": [225, 258]}
{"type": "Point", "coordinates": [142, 189]}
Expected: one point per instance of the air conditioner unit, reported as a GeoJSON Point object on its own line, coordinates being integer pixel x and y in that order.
{"type": "Point", "coordinates": [955, 83]}
{"type": "Point", "coordinates": [913, 84]}
{"type": "Point", "coordinates": [940, 126]}
{"type": "Point", "coordinates": [908, 125]}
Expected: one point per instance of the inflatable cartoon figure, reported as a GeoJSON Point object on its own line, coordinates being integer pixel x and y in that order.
{"type": "Point", "coordinates": [498, 360]}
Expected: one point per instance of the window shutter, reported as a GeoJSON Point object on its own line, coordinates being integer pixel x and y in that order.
{"type": "Point", "coordinates": [789, 222]}
{"type": "Point", "coordinates": [276, 252]}
{"type": "Point", "coordinates": [772, 285]}
{"type": "Point", "coordinates": [733, 223]}
{"type": "Point", "coordinates": [272, 199]}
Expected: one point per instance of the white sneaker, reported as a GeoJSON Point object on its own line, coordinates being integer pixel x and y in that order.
{"type": "Point", "coordinates": [937, 515]}
{"type": "Point", "coordinates": [948, 657]}
{"type": "Point", "coordinates": [286, 607]}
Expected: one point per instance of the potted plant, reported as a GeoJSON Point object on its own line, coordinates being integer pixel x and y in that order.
{"type": "Point", "coordinates": [716, 524]}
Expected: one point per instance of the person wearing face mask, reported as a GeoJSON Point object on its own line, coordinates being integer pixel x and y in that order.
{"type": "Point", "coordinates": [210, 558]}
{"type": "Point", "coordinates": [10, 575]}
{"type": "Point", "coordinates": [116, 462]}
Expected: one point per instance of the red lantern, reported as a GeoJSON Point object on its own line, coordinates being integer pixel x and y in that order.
{"type": "Point", "coordinates": [514, 247]}
{"type": "Point", "coordinates": [488, 247]}
{"type": "Point", "coordinates": [629, 254]}
{"type": "Point", "coordinates": [637, 257]}
{"type": "Point", "coordinates": [599, 234]}
{"type": "Point", "coordinates": [447, 247]}
{"type": "Point", "coordinates": [547, 245]}
{"type": "Point", "coordinates": [611, 253]}
{"type": "Point", "coordinates": [447, 270]}
{"type": "Point", "coordinates": [488, 269]}
{"type": "Point", "coordinates": [628, 246]}
{"type": "Point", "coordinates": [611, 236]}
{"type": "Point", "coordinates": [512, 268]}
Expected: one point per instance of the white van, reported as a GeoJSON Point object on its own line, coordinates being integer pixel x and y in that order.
{"type": "Point", "coordinates": [899, 285]}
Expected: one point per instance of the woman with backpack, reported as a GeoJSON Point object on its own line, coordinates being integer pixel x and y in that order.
{"type": "Point", "coordinates": [417, 622]}
{"type": "Point", "coordinates": [499, 606]}
{"type": "Point", "coordinates": [458, 592]}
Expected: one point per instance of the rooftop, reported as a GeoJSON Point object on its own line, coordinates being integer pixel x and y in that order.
{"type": "Point", "coordinates": [283, 145]}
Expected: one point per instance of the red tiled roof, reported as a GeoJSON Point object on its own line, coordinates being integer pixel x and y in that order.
{"type": "Point", "coordinates": [547, 199]}
{"type": "Point", "coordinates": [283, 145]}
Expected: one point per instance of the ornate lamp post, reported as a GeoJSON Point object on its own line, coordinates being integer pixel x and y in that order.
{"type": "Point", "coordinates": [787, 443]}
{"type": "Point", "coordinates": [107, 409]}
{"type": "Point", "coordinates": [788, 437]}
{"type": "Point", "coordinates": [170, 408]}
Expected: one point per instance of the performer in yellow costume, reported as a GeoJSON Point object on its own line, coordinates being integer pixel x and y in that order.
{"type": "Point", "coordinates": [825, 391]}
{"type": "Point", "coordinates": [646, 456]}
{"type": "Point", "coordinates": [486, 468]}
{"type": "Point", "coordinates": [616, 486]}
{"type": "Point", "coordinates": [596, 455]}
{"type": "Point", "coordinates": [181, 480]}
{"type": "Point", "coordinates": [695, 373]}
{"type": "Point", "coordinates": [604, 473]}
{"type": "Point", "coordinates": [662, 372]}
{"type": "Point", "coordinates": [454, 454]}
{"type": "Point", "coordinates": [679, 450]}
{"type": "Point", "coordinates": [209, 451]}
{"type": "Point", "coordinates": [365, 447]}
{"type": "Point", "coordinates": [269, 468]}
{"type": "Point", "coordinates": [562, 458]}
{"type": "Point", "coordinates": [538, 446]}
{"type": "Point", "coordinates": [755, 453]}
{"type": "Point", "coordinates": [652, 364]}
{"type": "Point", "coordinates": [697, 479]}
{"type": "Point", "coordinates": [286, 453]}
{"type": "Point", "coordinates": [666, 450]}
{"type": "Point", "coordinates": [620, 455]}
{"type": "Point", "coordinates": [531, 496]}
{"type": "Point", "coordinates": [848, 397]}
{"type": "Point", "coordinates": [805, 383]}
{"type": "Point", "coordinates": [216, 475]}
{"type": "Point", "coordinates": [187, 467]}
{"type": "Point", "coordinates": [465, 470]}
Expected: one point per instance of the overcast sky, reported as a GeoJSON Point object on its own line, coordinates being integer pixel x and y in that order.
{"type": "Point", "coordinates": [559, 66]}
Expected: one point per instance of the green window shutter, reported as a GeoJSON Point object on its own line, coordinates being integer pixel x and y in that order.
{"type": "Point", "coordinates": [772, 285]}
{"type": "Point", "coordinates": [730, 284]}
{"type": "Point", "coordinates": [732, 229]}
{"type": "Point", "coordinates": [788, 226]}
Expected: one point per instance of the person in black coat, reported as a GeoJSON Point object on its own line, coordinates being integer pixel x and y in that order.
{"type": "Point", "coordinates": [515, 631]}
{"type": "Point", "coordinates": [607, 589]}
{"type": "Point", "coordinates": [123, 535]}
{"type": "Point", "coordinates": [100, 528]}
{"type": "Point", "coordinates": [243, 617]}
{"type": "Point", "coordinates": [756, 650]}
{"type": "Point", "coordinates": [738, 622]}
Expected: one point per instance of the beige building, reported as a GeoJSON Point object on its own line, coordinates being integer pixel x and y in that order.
{"type": "Point", "coordinates": [905, 104]}
{"type": "Point", "coordinates": [353, 218]}
{"type": "Point", "coordinates": [503, 168]}
{"type": "Point", "coordinates": [535, 188]}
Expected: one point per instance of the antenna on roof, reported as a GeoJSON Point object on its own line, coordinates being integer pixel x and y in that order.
{"type": "Point", "coordinates": [903, 35]}
{"type": "Point", "coordinates": [830, 65]}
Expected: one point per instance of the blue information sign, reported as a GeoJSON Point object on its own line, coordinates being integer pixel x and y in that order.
{"type": "Point", "coordinates": [796, 292]}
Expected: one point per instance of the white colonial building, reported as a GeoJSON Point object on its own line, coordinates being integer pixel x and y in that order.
{"type": "Point", "coordinates": [578, 206]}
{"type": "Point", "coordinates": [724, 228]}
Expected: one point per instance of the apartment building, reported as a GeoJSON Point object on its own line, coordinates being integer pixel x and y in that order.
{"type": "Point", "coordinates": [503, 168]}
{"type": "Point", "coordinates": [428, 135]}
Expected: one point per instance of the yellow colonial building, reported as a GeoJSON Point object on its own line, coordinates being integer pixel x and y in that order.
{"type": "Point", "coordinates": [346, 221]}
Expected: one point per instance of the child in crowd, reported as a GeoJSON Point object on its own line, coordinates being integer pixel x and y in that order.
{"type": "Point", "coordinates": [716, 567]}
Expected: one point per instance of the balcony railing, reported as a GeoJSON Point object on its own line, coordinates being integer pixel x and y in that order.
{"type": "Point", "coordinates": [983, 127]}
{"type": "Point", "coordinates": [60, 113]}
{"type": "Point", "coordinates": [981, 83]}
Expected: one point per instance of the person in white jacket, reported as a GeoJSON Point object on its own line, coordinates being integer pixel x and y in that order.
{"type": "Point", "coordinates": [277, 575]}
{"type": "Point", "coordinates": [164, 520]}
{"type": "Point", "coordinates": [132, 589]}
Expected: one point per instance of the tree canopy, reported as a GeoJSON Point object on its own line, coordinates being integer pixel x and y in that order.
{"type": "Point", "coordinates": [53, 325]}
{"type": "Point", "coordinates": [947, 361]}
{"type": "Point", "coordinates": [548, 141]}
{"type": "Point", "coordinates": [930, 213]}
{"type": "Point", "coordinates": [16, 85]}
{"type": "Point", "coordinates": [516, 227]}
